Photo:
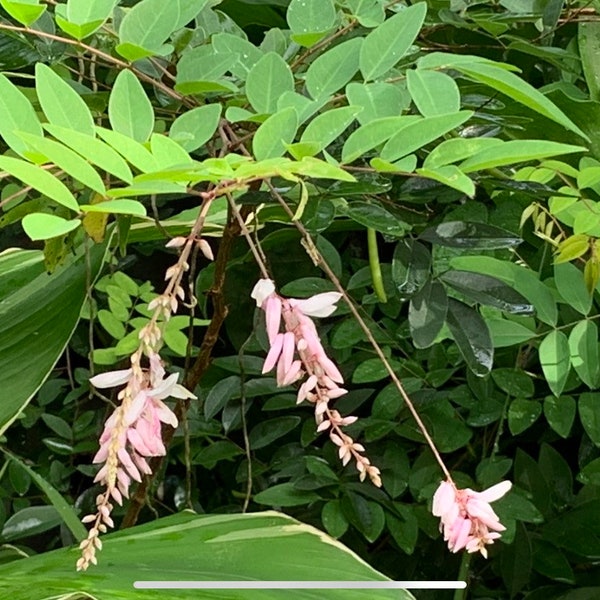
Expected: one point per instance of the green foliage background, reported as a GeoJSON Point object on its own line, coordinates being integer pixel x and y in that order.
{"type": "Point", "coordinates": [442, 155]}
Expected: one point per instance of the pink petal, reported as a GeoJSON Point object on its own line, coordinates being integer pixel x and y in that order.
{"type": "Point", "coordinates": [273, 316]}
{"type": "Point", "coordinates": [111, 378]}
{"type": "Point", "coordinates": [128, 464]}
{"type": "Point", "coordinates": [443, 499]}
{"type": "Point", "coordinates": [274, 352]}
{"type": "Point", "coordinates": [136, 408]}
{"type": "Point", "coordinates": [137, 442]}
{"type": "Point", "coordinates": [165, 414]}
{"type": "Point", "coordinates": [483, 511]}
{"type": "Point", "coordinates": [460, 535]}
{"type": "Point", "coordinates": [287, 352]}
{"type": "Point", "coordinates": [306, 387]}
{"type": "Point", "coordinates": [330, 369]}
{"type": "Point", "coordinates": [293, 373]}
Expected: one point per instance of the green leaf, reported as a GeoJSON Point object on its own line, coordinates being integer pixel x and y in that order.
{"type": "Point", "coordinates": [328, 126]}
{"type": "Point", "coordinates": [285, 494]}
{"type": "Point", "coordinates": [427, 313]}
{"type": "Point", "coordinates": [416, 135]}
{"type": "Point", "coordinates": [35, 327]}
{"type": "Point", "coordinates": [43, 226]}
{"type": "Point", "coordinates": [26, 11]}
{"type": "Point", "coordinates": [272, 136]}
{"type": "Point", "coordinates": [40, 180]}
{"type": "Point", "coordinates": [247, 53]}
{"type": "Point", "coordinates": [487, 290]}
{"type": "Point", "coordinates": [377, 100]}
{"type": "Point", "coordinates": [589, 414]}
{"type": "Point", "coordinates": [376, 217]}
{"type": "Point", "coordinates": [333, 69]}
{"type": "Point", "coordinates": [229, 547]}
{"type": "Point", "coordinates": [515, 151]}
{"type": "Point", "coordinates": [370, 370]}
{"type": "Point", "coordinates": [369, 13]}
{"type": "Point", "coordinates": [583, 345]}
{"type": "Point", "coordinates": [319, 169]}
{"type": "Point", "coordinates": [590, 474]}
{"type": "Point", "coordinates": [406, 531]}
{"type": "Point", "coordinates": [555, 360]}
{"type": "Point", "coordinates": [268, 79]}
{"type": "Point", "coordinates": [451, 176]}
{"type": "Point", "coordinates": [551, 562]}
{"type": "Point", "coordinates": [168, 153]}
{"type": "Point", "coordinates": [61, 104]}
{"type": "Point", "coordinates": [433, 92]}
{"type": "Point", "coordinates": [576, 530]}
{"type": "Point", "coordinates": [116, 207]}
{"type": "Point", "coordinates": [310, 20]}
{"type": "Point", "coordinates": [134, 152]}
{"type": "Point", "coordinates": [387, 44]}
{"type": "Point", "coordinates": [455, 149]}
{"type": "Point", "coordinates": [507, 333]}
{"type": "Point", "coordinates": [522, 414]}
{"type": "Point", "coordinates": [94, 150]}
{"type": "Point", "coordinates": [30, 521]}
{"type": "Point", "coordinates": [67, 160]}
{"type": "Point", "coordinates": [411, 267]}
{"type": "Point", "coordinates": [571, 286]}
{"type": "Point", "coordinates": [220, 394]}
{"type": "Point", "coordinates": [471, 336]}
{"type": "Point", "coordinates": [516, 562]}
{"type": "Point", "coordinates": [462, 234]}
{"type": "Point", "coordinates": [560, 413]}
{"type": "Point", "coordinates": [588, 41]}
{"type": "Point", "coordinates": [129, 109]}
{"type": "Point", "coordinates": [514, 87]}
{"type": "Point", "coordinates": [195, 127]}
{"type": "Point", "coordinates": [333, 519]}
{"type": "Point", "coordinates": [16, 114]}
{"type": "Point", "coordinates": [367, 517]}
{"type": "Point", "coordinates": [81, 18]}
{"type": "Point", "coordinates": [266, 432]}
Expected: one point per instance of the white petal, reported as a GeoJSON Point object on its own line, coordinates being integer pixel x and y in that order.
{"type": "Point", "coordinates": [165, 388]}
{"type": "Point", "coordinates": [320, 305]}
{"type": "Point", "coordinates": [495, 492]}
{"type": "Point", "coordinates": [179, 391]}
{"type": "Point", "coordinates": [111, 378]}
{"type": "Point", "coordinates": [262, 290]}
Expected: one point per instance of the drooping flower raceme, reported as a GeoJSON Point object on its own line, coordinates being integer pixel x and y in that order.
{"type": "Point", "coordinates": [467, 519]}
{"type": "Point", "coordinates": [297, 352]}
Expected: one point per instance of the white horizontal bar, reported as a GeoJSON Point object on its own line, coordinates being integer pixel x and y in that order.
{"type": "Point", "coordinates": [299, 585]}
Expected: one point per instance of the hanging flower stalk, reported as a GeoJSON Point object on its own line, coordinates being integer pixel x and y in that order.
{"type": "Point", "coordinates": [297, 352]}
{"type": "Point", "coordinates": [132, 434]}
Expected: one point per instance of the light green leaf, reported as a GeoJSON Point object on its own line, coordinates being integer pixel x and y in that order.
{"type": "Point", "coordinates": [571, 286]}
{"type": "Point", "coordinates": [328, 126]}
{"type": "Point", "coordinates": [201, 70]}
{"type": "Point", "coordinates": [16, 114]}
{"type": "Point", "coordinates": [67, 160]}
{"type": "Point", "coordinates": [40, 180]}
{"type": "Point", "coordinates": [25, 11]}
{"type": "Point", "coordinates": [434, 93]}
{"type": "Point", "coordinates": [247, 53]}
{"type": "Point", "coordinates": [583, 345]}
{"type": "Point", "coordinates": [268, 79]}
{"type": "Point", "coordinates": [81, 18]}
{"type": "Point", "coordinates": [377, 100]}
{"type": "Point", "coordinates": [451, 176]}
{"type": "Point", "coordinates": [516, 151]}
{"type": "Point", "coordinates": [418, 134]}
{"type": "Point", "coordinates": [455, 149]}
{"type": "Point", "coordinates": [333, 69]}
{"type": "Point", "coordinates": [94, 150]}
{"type": "Point", "coordinates": [589, 48]}
{"type": "Point", "coordinates": [61, 104]}
{"type": "Point", "coordinates": [555, 360]}
{"type": "Point", "coordinates": [310, 20]}
{"type": "Point", "coordinates": [369, 13]}
{"type": "Point", "coordinates": [270, 138]}
{"type": "Point", "coordinates": [43, 226]}
{"type": "Point", "coordinates": [132, 151]}
{"type": "Point", "coordinates": [117, 207]}
{"type": "Point", "coordinates": [129, 109]}
{"type": "Point", "coordinates": [387, 44]}
{"type": "Point", "coordinates": [35, 327]}
{"type": "Point", "coordinates": [319, 169]}
{"type": "Point", "coordinates": [507, 333]}
{"type": "Point", "coordinates": [167, 152]}
{"type": "Point", "coordinates": [372, 134]}
{"type": "Point", "coordinates": [195, 127]}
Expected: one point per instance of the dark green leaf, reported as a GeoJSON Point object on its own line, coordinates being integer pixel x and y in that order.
{"type": "Point", "coordinates": [551, 562]}
{"type": "Point", "coordinates": [589, 413]}
{"type": "Point", "coordinates": [285, 494]}
{"type": "Point", "coordinates": [29, 522]}
{"type": "Point", "coordinates": [583, 344]}
{"type": "Point", "coordinates": [427, 313]}
{"type": "Point", "coordinates": [516, 561]}
{"type": "Point", "coordinates": [266, 432]}
{"type": "Point", "coordinates": [522, 414]}
{"type": "Point", "coordinates": [460, 234]}
{"type": "Point", "coordinates": [376, 217]}
{"type": "Point", "coordinates": [411, 267]}
{"type": "Point", "coordinates": [220, 394]}
{"type": "Point", "coordinates": [560, 413]}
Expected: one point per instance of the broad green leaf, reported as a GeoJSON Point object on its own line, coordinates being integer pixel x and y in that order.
{"type": "Point", "coordinates": [462, 234]}
{"type": "Point", "coordinates": [571, 286]}
{"type": "Point", "coordinates": [61, 104]}
{"type": "Point", "coordinates": [168, 153]}
{"type": "Point", "coordinates": [376, 217]}
{"type": "Point", "coordinates": [555, 360]}
{"type": "Point", "coordinates": [272, 136]}
{"type": "Point", "coordinates": [17, 268]}
{"type": "Point", "coordinates": [369, 13]}
{"type": "Point", "coordinates": [40, 180]}
{"type": "Point", "coordinates": [285, 494]}
{"type": "Point", "coordinates": [128, 148]}
{"type": "Point", "coordinates": [522, 414]}
{"type": "Point", "coordinates": [195, 127]}
{"type": "Point", "coordinates": [408, 164]}
{"type": "Point", "coordinates": [268, 79]}
{"type": "Point", "coordinates": [230, 547]}
{"type": "Point", "coordinates": [455, 149]}
{"type": "Point", "coordinates": [589, 413]}
{"type": "Point", "coordinates": [560, 413]}
{"type": "Point", "coordinates": [433, 92]}
{"type": "Point", "coordinates": [451, 176]}
{"type": "Point", "coordinates": [305, 107]}
{"type": "Point", "coordinates": [81, 18]}
{"type": "Point", "coordinates": [411, 267]}
{"type": "Point", "coordinates": [387, 44]}
{"type": "Point", "coordinates": [427, 313]}
{"type": "Point", "coordinates": [487, 290]}
{"type": "Point", "coordinates": [371, 370]}
{"type": "Point", "coordinates": [129, 109]}
{"type": "Point", "coordinates": [333, 519]}
{"type": "Point", "coordinates": [29, 522]}
{"type": "Point", "coordinates": [201, 70]}
{"type": "Point", "coordinates": [377, 100]}
{"type": "Point", "coordinates": [266, 432]}
{"type": "Point", "coordinates": [117, 207]}
{"type": "Point", "coordinates": [472, 337]}
{"type": "Point", "coordinates": [67, 160]}
{"type": "Point", "coordinates": [507, 333]}
{"type": "Point", "coordinates": [319, 169]}
{"type": "Point", "coordinates": [333, 69]}
{"type": "Point", "coordinates": [588, 40]}
{"type": "Point", "coordinates": [516, 88]}
{"type": "Point", "coordinates": [310, 20]}
{"type": "Point", "coordinates": [16, 114]}
{"type": "Point", "coordinates": [35, 327]}
{"type": "Point", "coordinates": [248, 54]}
{"type": "Point", "coordinates": [328, 126]}
{"type": "Point", "coordinates": [94, 150]}
{"type": "Point", "coordinates": [583, 344]}
{"type": "Point", "coordinates": [416, 135]}
{"type": "Point", "coordinates": [516, 151]}
{"type": "Point", "coordinates": [43, 226]}
{"type": "Point", "coordinates": [373, 134]}
{"type": "Point", "coordinates": [25, 11]}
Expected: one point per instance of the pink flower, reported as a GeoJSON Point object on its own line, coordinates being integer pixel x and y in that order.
{"type": "Point", "coordinates": [467, 519]}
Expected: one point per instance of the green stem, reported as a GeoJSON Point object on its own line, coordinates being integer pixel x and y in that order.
{"type": "Point", "coordinates": [463, 575]}
{"type": "Point", "coordinates": [375, 265]}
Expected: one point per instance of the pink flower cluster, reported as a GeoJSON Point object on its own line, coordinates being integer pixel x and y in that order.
{"type": "Point", "coordinates": [467, 518]}
{"type": "Point", "coordinates": [297, 351]}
